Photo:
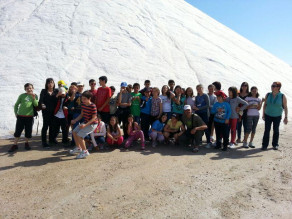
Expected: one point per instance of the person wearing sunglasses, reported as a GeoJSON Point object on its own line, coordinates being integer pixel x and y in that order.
{"type": "Point", "coordinates": [275, 104]}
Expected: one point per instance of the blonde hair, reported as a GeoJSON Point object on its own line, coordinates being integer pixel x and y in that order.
{"type": "Point", "coordinates": [157, 89]}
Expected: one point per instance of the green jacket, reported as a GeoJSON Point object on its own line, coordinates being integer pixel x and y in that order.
{"type": "Point", "coordinates": [24, 105]}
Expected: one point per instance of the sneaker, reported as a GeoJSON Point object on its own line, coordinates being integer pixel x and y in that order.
{"type": "Point", "coordinates": [238, 141]}
{"type": "Point", "coordinates": [13, 148]}
{"type": "Point", "coordinates": [154, 144]}
{"type": "Point", "coordinates": [245, 145]}
{"type": "Point", "coordinates": [46, 145]}
{"type": "Point", "coordinates": [251, 145]}
{"type": "Point", "coordinates": [264, 149]}
{"type": "Point", "coordinates": [75, 150]}
{"type": "Point", "coordinates": [27, 147]}
{"type": "Point", "coordinates": [276, 147]}
{"type": "Point", "coordinates": [83, 154]}
{"type": "Point", "coordinates": [211, 139]}
{"type": "Point", "coordinates": [232, 145]}
{"type": "Point", "coordinates": [208, 145]}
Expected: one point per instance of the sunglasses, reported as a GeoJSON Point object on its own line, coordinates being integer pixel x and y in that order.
{"type": "Point", "coordinates": [245, 85]}
{"type": "Point", "coordinates": [93, 84]}
{"type": "Point", "coordinates": [274, 85]}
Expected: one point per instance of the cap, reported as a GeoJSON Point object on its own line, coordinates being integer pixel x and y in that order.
{"type": "Point", "coordinates": [174, 115]}
{"type": "Point", "coordinates": [220, 93]}
{"type": "Point", "coordinates": [63, 90]}
{"type": "Point", "coordinates": [61, 82]}
{"type": "Point", "coordinates": [124, 84]}
{"type": "Point", "coordinates": [80, 84]}
{"type": "Point", "coordinates": [187, 107]}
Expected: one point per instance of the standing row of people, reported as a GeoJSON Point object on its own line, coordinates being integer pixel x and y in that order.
{"type": "Point", "coordinates": [165, 111]}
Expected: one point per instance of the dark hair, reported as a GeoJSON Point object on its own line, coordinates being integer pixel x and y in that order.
{"type": "Point", "coordinates": [250, 95]}
{"type": "Point", "coordinates": [98, 116]}
{"type": "Point", "coordinates": [211, 85]}
{"type": "Point", "coordinates": [177, 86]}
{"type": "Point", "coordinates": [186, 93]}
{"type": "Point", "coordinates": [244, 83]}
{"type": "Point", "coordinates": [87, 94]}
{"type": "Point", "coordinates": [147, 81]}
{"type": "Point", "coordinates": [127, 124]}
{"type": "Point", "coordinates": [171, 81]}
{"type": "Point", "coordinates": [91, 80]}
{"type": "Point", "coordinates": [278, 83]}
{"type": "Point", "coordinates": [234, 91]}
{"type": "Point", "coordinates": [27, 85]}
{"type": "Point", "coordinates": [49, 80]}
{"type": "Point", "coordinates": [103, 78]}
{"type": "Point", "coordinates": [167, 92]}
{"type": "Point", "coordinates": [136, 84]}
{"type": "Point", "coordinates": [74, 83]}
{"type": "Point", "coordinates": [217, 85]}
{"type": "Point", "coordinates": [160, 118]}
{"type": "Point", "coordinates": [115, 127]}
{"type": "Point", "coordinates": [112, 88]}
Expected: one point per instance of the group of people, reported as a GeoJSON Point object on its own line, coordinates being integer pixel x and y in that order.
{"type": "Point", "coordinates": [171, 113]}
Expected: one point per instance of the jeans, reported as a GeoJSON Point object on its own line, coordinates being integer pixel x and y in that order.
{"type": "Point", "coordinates": [145, 124]}
{"type": "Point", "coordinates": [276, 124]}
{"type": "Point", "coordinates": [47, 124]}
{"type": "Point", "coordinates": [243, 122]}
{"type": "Point", "coordinates": [222, 130]}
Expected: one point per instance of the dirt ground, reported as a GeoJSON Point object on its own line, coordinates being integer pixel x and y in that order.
{"type": "Point", "coordinates": [164, 182]}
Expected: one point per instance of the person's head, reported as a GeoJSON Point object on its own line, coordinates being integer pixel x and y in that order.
{"type": "Point", "coordinates": [217, 85]}
{"type": "Point", "coordinates": [183, 91]}
{"type": "Point", "coordinates": [124, 86]}
{"type": "Point", "coordinates": [232, 92]}
{"type": "Point", "coordinates": [147, 83]}
{"type": "Point", "coordinates": [200, 88]}
{"type": "Point", "coordinates": [171, 84]}
{"type": "Point", "coordinates": [98, 117]}
{"type": "Point", "coordinates": [62, 91]}
{"type": "Point", "coordinates": [130, 118]}
{"type": "Point", "coordinates": [244, 87]}
{"type": "Point", "coordinates": [80, 87]}
{"type": "Point", "coordinates": [72, 90]}
{"type": "Point", "coordinates": [50, 84]}
{"type": "Point", "coordinates": [155, 91]}
{"type": "Point", "coordinates": [61, 83]}
{"type": "Point", "coordinates": [113, 89]}
{"type": "Point", "coordinates": [113, 121]}
{"type": "Point", "coordinates": [147, 92]}
{"type": "Point", "coordinates": [102, 81]}
{"type": "Point", "coordinates": [276, 86]}
{"type": "Point", "coordinates": [92, 84]}
{"type": "Point", "coordinates": [220, 96]}
{"type": "Point", "coordinates": [74, 83]}
{"type": "Point", "coordinates": [177, 90]}
{"type": "Point", "coordinates": [187, 110]}
{"type": "Point", "coordinates": [174, 117]}
{"type": "Point", "coordinates": [211, 88]}
{"type": "Point", "coordinates": [189, 92]}
{"type": "Point", "coordinates": [136, 87]}
{"type": "Point", "coordinates": [28, 87]}
{"type": "Point", "coordinates": [86, 97]}
{"type": "Point", "coordinates": [254, 92]}
{"type": "Point", "coordinates": [129, 88]}
{"type": "Point", "coordinates": [163, 118]}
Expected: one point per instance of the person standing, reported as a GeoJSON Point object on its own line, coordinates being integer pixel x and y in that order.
{"type": "Point", "coordinates": [24, 113]}
{"type": "Point", "coordinates": [102, 99]}
{"type": "Point", "coordinates": [48, 102]}
{"type": "Point", "coordinates": [242, 120]}
{"type": "Point", "coordinates": [275, 102]}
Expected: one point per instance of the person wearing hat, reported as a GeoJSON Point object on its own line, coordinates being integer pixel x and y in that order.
{"type": "Point", "coordinates": [60, 117]}
{"type": "Point", "coordinates": [62, 83]}
{"type": "Point", "coordinates": [195, 127]}
{"type": "Point", "coordinates": [124, 104]}
{"type": "Point", "coordinates": [173, 129]}
{"type": "Point", "coordinates": [222, 113]}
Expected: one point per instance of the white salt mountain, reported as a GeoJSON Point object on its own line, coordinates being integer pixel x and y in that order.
{"type": "Point", "coordinates": [129, 41]}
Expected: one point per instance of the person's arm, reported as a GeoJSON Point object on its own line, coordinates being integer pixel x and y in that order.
{"type": "Point", "coordinates": [78, 118]}
{"type": "Point", "coordinates": [166, 128]}
{"type": "Point", "coordinates": [42, 94]}
{"type": "Point", "coordinates": [213, 110]}
{"type": "Point", "coordinates": [16, 105]}
{"type": "Point", "coordinates": [243, 102]}
{"type": "Point", "coordinates": [207, 101]}
{"type": "Point", "coordinates": [137, 126]}
{"type": "Point", "coordinates": [182, 130]}
{"type": "Point", "coordinates": [264, 108]}
{"type": "Point", "coordinates": [260, 105]}
{"type": "Point", "coordinates": [35, 101]}
{"type": "Point", "coordinates": [285, 109]}
{"type": "Point", "coordinates": [176, 100]}
{"type": "Point", "coordinates": [228, 113]}
{"type": "Point", "coordinates": [93, 139]}
{"type": "Point", "coordinates": [160, 110]}
{"type": "Point", "coordinates": [109, 135]}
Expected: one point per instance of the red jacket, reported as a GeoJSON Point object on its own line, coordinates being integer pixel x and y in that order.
{"type": "Point", "coordinates": [65, 111]}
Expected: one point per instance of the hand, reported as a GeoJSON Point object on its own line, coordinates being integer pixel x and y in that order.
{"type": "Point", "coordinates": [226, 121]}
{"type": "Point", "coordinates": [286, 121]}
{"type": "Point", "coordinates": [99, 109]}
{"type": "Point", "coordinates": [237, 109]}
{"type": "Point", "coordinates": [82, 126]}
{"type": "Point", "coordinates": [73, 121]}
{"type": "Point", "coordinates": [65, 108]}
{"type": "Point", "coordinates": [193, 131]}
{"type": "Point", "coordinates": [263, 118]}
{"type": "Point", "coordinates": [220, 110]}
{"type": "Point", "coordinates": [72, 108]}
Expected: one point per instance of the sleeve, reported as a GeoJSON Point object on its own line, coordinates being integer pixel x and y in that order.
{"type": "Point", "coordinates": [17, 104]}
{"type": "Point", "coordinates": [155, 125]}
{"type": "Point", "coordinates": [35, 102]}
{"type": "Point", "coordinates": [94, 109]}
{"type": "Point", "coordinates": [198, 120]}
{"type": "Point", "coordinates": [228, 111]}
{"type": "Point", "coordinates": [109, 93]}
{"type": "Point", "coordinates": [213, 110]}
{"type": "Point", "coordinates": [243, 102]}
{"type": "Point", "coordinates": [42, 94]}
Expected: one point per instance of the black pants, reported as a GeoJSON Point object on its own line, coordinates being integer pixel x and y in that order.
{"type": "Point", "coordinates": [210, 123]}
{"type": "Point", "coordinates": [47, 124]}
{"type": "Point", "coordinates": [194, 139]}
{"type": "Point", "coordinates": [145, 124]}
{"type": "Point", "coordinates": [122, 114]}
{"type": "Point", "coordinates": [25, 123]}
{"type": "Point", "coordinates": [105, 117]}
{"type": "Point", "coordinates": [222, 130]}
{"type": "Point", "coordinates": [63, 123]}
{"type": "Point", "coordinates": [276, 124]}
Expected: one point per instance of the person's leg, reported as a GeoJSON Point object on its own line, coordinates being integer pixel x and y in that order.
{"type": "Point", "coordinates": [219, 133]}
{"type": "Point", "coordinates": [238, 127]}
{"type": "Point", "coordinates": [140, 134]}
{"type": "Point", "coordinates": [56, 129]}
{"type": "Point", "coordinates": [46, 121]}
{"type": "Point", "coordinates": [211, 126]}
{"type": "Point", "coordinates": [249, 124]}
{"type": "Point", "coordinates": [233, 123]}
{"type": "Point", "coordinates": [144, 123]}
{"type": "Point", "coordinates": [120, 140]}
{"type": "Point", "coordinates": [266, 137]}
{"type": "Point", "coordinates": [63, 123]}
{"type": "Point", "coordinates": [197, 138]}
{"type": "Point", "coordinates": [129, 141]}
{"type": "Point", "coordinates": [225, 133]}
{"type": "Point", "coordinates": [276, 125]}
{"type": "Point", "coordinates": [28, 131]}
{"type": "Point", "coordinates": [109, 141]}
{"type": "Point", "coordinates": [153, 136]}
{"type": "Point", "coordinates": [166, 136]}
{"type": "Point", "coordinates": [255, 121]}
{"type": "Point", "coordinates": [244, 121]}
{"type": "Point", "coordinates": [160, 138]}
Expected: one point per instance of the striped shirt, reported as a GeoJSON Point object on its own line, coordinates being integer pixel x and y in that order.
{"type": "Point", "coordinates": [88, 112]}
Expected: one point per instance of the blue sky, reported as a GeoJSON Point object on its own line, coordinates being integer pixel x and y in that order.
{"type": "Point", "coordinates": [267, 23]}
